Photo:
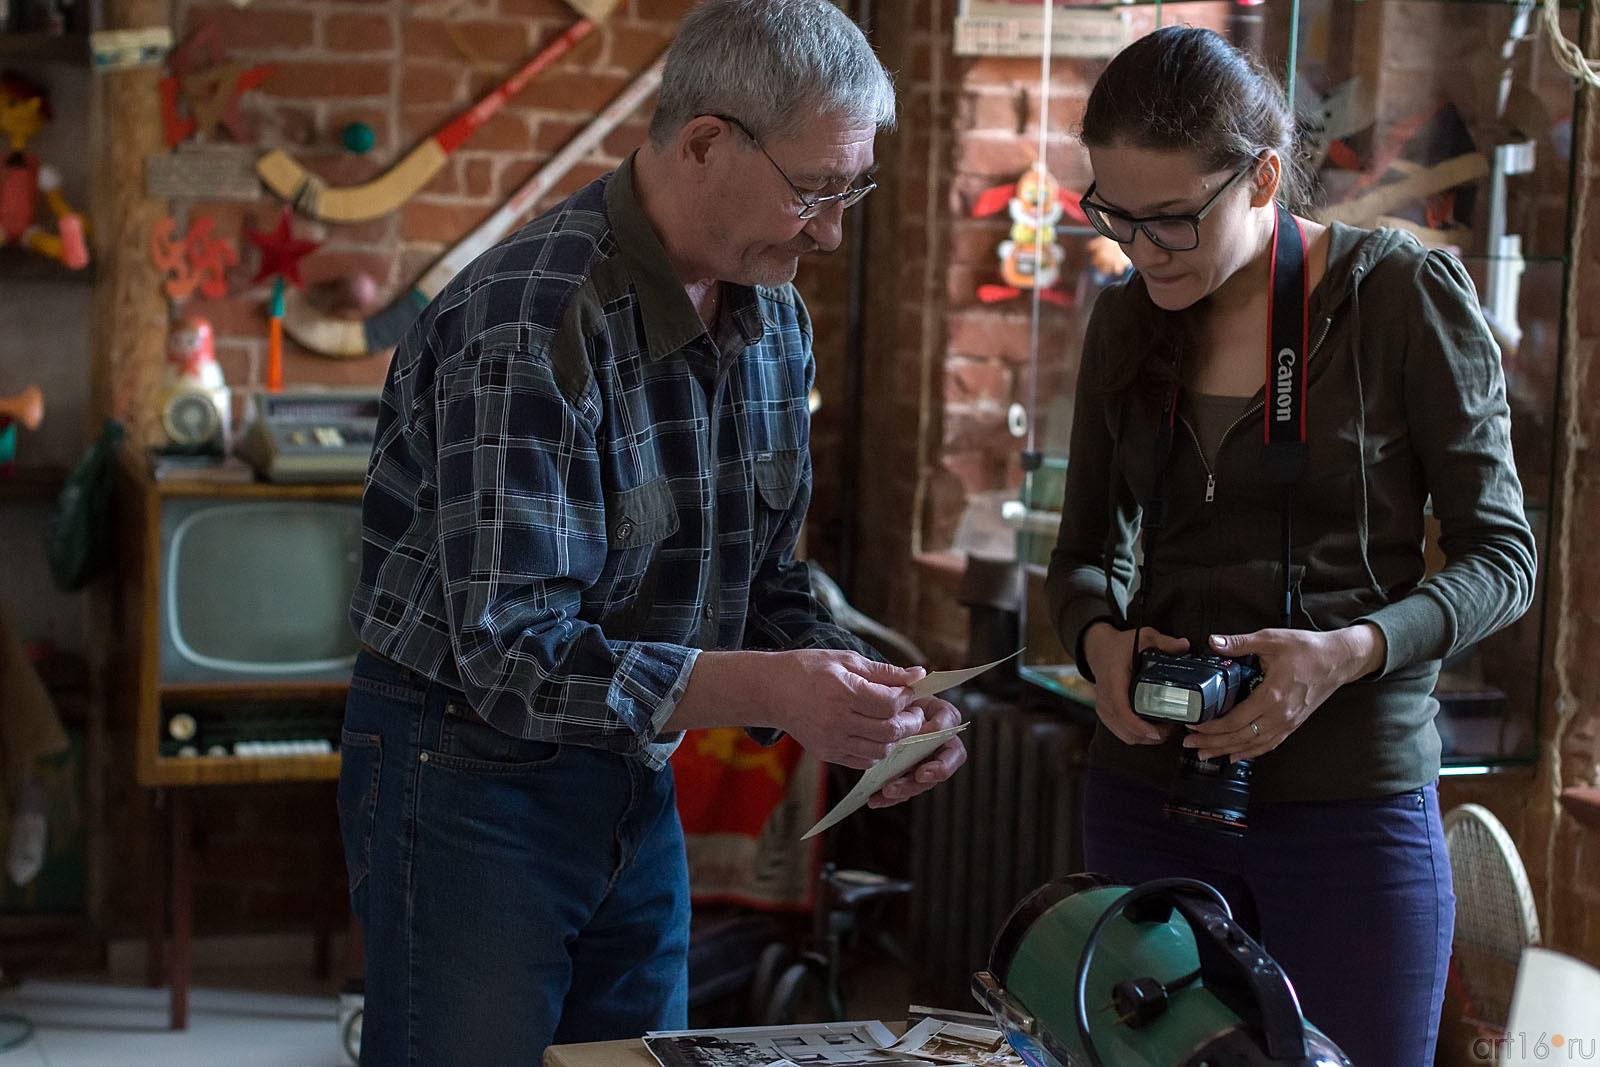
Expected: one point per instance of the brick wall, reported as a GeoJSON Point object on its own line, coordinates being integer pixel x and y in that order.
{"type": "Point", "coordinates": [405, 70]}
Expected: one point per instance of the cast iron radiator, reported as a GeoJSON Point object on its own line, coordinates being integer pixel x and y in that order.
{"type": "Point", "coordinates": [1007, 823]}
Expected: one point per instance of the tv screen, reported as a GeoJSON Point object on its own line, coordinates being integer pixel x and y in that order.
{"type": "Point", "coordinates": [257, 590]}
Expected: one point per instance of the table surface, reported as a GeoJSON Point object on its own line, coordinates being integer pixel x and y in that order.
{"type": "Point", "coordinates": [628, 1053]}
{"type": "Point", "coordinates": [600, 1054]}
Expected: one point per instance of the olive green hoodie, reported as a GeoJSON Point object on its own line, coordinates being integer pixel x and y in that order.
{"type": "Point", "coordinates": [1405, 402]}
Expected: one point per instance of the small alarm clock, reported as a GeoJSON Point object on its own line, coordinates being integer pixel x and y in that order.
{"type": "Point", "coordinates": [192, 418]}
{"type": "Point", "coordinates": [194, 405]}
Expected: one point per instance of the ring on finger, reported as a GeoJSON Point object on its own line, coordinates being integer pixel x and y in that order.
{"type": "Point", "coordinates": [1254, 729]}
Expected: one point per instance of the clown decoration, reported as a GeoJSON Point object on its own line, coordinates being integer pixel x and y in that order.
{"type": "Point", "coordinates": [1030, 258]}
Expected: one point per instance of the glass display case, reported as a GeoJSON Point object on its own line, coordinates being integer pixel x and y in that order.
{"type": "Point", "coordinates": [1447, 118]}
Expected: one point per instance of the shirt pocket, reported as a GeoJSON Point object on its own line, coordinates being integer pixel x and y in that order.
{"type": "Point", "coordinates": [638, 520]}
{"type": "Point", "coordinates": [777, 477]}
{"type": "Point", "coordinates": [641, 516]}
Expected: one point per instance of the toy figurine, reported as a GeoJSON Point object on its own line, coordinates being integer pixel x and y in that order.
{"type": "Point", "coordinates": [1030, 258]}
{"type": "Point", "coordinates": [195, 407]}
{"type": "Point", "coordinates": [27, 408]}
{"type": "Point", "coordinates": [22, 179]}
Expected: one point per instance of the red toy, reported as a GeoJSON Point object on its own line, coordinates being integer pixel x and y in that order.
{"type": "Point", "coordinates": [22, 115]}
{"type": "Point", "coordinates": [1030, 258]}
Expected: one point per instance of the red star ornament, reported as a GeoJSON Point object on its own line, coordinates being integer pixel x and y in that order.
{"type": "Point", "coordinates": [281, 250]}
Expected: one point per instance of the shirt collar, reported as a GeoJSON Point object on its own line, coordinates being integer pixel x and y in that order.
{"type": "Point", "coordinates": [670, 320]}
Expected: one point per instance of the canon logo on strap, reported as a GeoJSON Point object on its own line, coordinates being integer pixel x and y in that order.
{"type": "Point", "coordinates": [1283, 386]}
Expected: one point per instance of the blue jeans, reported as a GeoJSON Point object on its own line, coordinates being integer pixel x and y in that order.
{"type": "Point", "coordinates": [1352, 898]}
{"type": "Point", "coordinates": [511, 894]}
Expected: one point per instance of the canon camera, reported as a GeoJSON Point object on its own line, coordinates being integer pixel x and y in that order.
{"type": "Point", "coordinates": [1194, 688]}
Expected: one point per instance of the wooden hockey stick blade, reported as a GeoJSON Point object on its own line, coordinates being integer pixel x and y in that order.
{"type": "Point", "coordinates": [352, 339]}
{"type": "Point", "coordinates": [356, 203]}
{"type": "Point", "coordinates": [594, 10]}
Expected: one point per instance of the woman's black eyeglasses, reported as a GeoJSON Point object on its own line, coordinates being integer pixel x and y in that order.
{"type": "Point", "coordinates": [1175, 233]}
{"type": "Point", "coordinates": [810, 206]}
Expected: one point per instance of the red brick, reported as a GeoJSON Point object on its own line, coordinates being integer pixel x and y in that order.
{"type": "Point", "coordinates": [576, 179]}
{"type": "Point", "coordinates": [283, 124]}
{"type": "Point", "coordinates": [625, 138]}
{"type": "Point", "coordinates": [301, 367]}
{"type": "Point", "coordinates": [550, 133]}
{"type": "Point", "coordinates": [995, 109]}
{"type": "Point", "coordinates": [414, 260]}
{"type": "Point", "coordinates": [970, 381]}
{"type": "Point", "coordinates": [445, 184]}
{"type": "Point", "coordinates": [237, 361]}
{"type": "Point", "coordinates": [245, 30]}
{"type": "Point", "coordinates": [577, 92]}
{"type": "Point", "coordinates": [358, 33]}
{"type": "Point", "coordinates": [975, 472]}
{"type": "Point", "coordinates": [980, 430]}
{"type": "Point", "coordinates": [419, 121]}
{"type": "Point", "coordinates": [330, 265]}
{"type": "Point", "coordinates": [307, 80]}
{"type": "Point", "coordinates": [990, 332]}
{"type": "Point", "coordinates": [504, 133]}
{"type": "Point", "coordinates": [242, 314]}
{"type": "Point", "coordinates": [635, 48]}
{"type": "Point", "coordinates": [552, 11]}
{"type": "Point", "coordinates": [668, 11]}
{"type": "Point", "coordinates": [422, 220]}
{"type": "Point", "coordinates": [434, 85]}
{"type": "Point", "coordinates": [427, 38]}
{"type": "Point", "coordinates": [1000, 156]}
{"type": "Point", "coordinates": [478, 177]}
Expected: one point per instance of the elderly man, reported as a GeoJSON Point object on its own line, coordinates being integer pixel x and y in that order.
{"type": "Point", "coordinates": [590, 474]}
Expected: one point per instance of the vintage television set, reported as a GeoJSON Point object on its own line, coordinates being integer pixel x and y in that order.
{"type": "Point", "coordinates": [235, 625]}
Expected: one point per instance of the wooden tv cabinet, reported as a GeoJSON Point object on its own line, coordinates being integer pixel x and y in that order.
{"type": "Point", "coordinates": [173, 780]}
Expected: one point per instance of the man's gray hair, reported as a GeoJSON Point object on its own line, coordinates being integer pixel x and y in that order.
{"type": "Point", "coordinates": [772, 64]}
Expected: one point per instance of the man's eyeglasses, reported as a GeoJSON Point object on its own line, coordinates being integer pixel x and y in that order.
{"type": "Point", "coordinates": [1175, 233]}
{"type": "Point", "coordinates": [810, 206]}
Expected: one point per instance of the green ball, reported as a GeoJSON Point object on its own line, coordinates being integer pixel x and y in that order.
{"type": "Point", "coordinates": [358, 137]}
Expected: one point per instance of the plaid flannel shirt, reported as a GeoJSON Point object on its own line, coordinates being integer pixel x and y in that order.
{"type": "Point", "coordinates": [575, 487]}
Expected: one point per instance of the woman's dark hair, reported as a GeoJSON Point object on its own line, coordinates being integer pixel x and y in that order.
{"type": "Point", "coordinates": [1186, 89]}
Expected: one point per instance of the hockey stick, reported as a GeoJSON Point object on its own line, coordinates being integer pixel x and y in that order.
{"type": "Point", "coordinates": [383, 194]}
{"type": "Point", "coordinates": [350, 339]}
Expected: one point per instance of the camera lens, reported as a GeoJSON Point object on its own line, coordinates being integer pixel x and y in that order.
{"type": "Point", "coordinates": [1211, 793]}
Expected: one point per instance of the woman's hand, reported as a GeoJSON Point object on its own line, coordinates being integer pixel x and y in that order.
{"type": "Point", "coordinates": [1300, 671]}
{"type": "Point", "coordinates": [1110, 654]}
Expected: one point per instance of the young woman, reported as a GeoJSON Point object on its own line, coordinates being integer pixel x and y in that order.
{"type": "Point", "coordinates": [1288, 400]}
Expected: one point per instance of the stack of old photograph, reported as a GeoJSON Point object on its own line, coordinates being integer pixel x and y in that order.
{"type": "Point", "coordinates": [931, 1037]}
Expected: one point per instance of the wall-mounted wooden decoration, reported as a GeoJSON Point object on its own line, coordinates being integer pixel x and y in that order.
{"type": "Point", "coordinates": [203, 172]}
{"type": "Point", "coordinates": [194, 261]}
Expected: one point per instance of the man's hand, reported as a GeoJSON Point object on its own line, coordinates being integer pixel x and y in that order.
{"type": "Point", "coordinates": [842, 707]}
{"type": "Point", "coordinates": [937, 715]}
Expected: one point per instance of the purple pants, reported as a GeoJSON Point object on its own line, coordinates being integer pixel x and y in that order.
{"type": "Point", "coordinates": [1352, 898]}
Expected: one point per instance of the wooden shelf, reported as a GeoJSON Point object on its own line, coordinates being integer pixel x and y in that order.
{"type": "Point", "coordinates": [234, 692]}
{"type": "Point", "coordinates": [239, 770]}
{"type": "Point", "coordinates": [27, 482]}
{"type": "Point", "coordinates": [19, 48]}
{"type": "Point", "coordinates": [24, 264]}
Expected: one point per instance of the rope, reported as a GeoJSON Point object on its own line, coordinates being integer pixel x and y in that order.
{"type": "Point", "coordinates": [1569, 57]}
{"type": "Point", "coordinates": [1566, 703]}
{"type": "Point", "coordinates": [932, 293]}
